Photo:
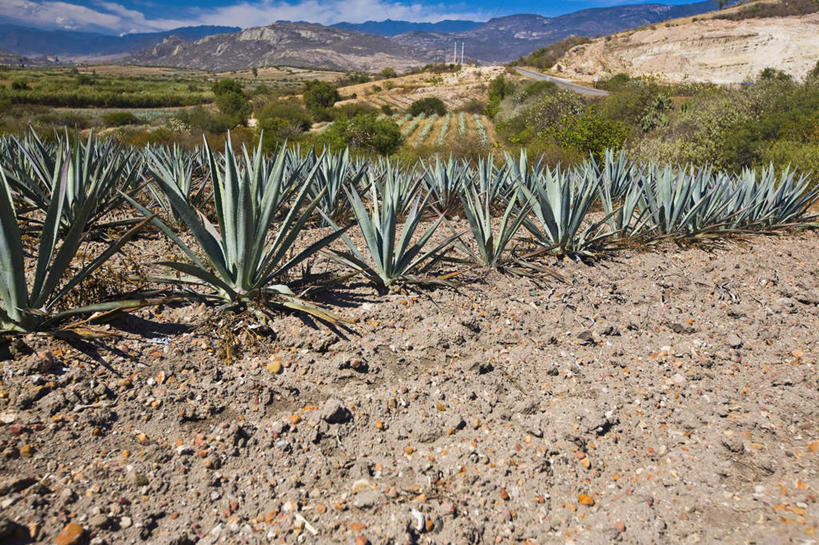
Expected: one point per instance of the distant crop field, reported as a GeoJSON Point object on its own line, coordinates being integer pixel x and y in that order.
{"type": "Point", "coordinates": [440, 130]}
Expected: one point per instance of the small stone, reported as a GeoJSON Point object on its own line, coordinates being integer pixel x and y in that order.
{"type": "Point", "coordinates": [367, 499]}
{"type": "Point", "coordinates": [620, 526]}
{"type": "Point", "coordinates": [734, 444]}
{"type": "Point", "coordinates": [72, 534]}
{"type": "Point", "coordinates": [585, 499]}
{"type": "Point", "coordinates": [361, 540]}
{"type": "Point", "coordinates": [275, 366]}
{"type": "Point", "coordinates": [504, 494]}
{"type": "Point", "coordinates": [334, 412]}
{"type": "Point", "coordinates": [26, 451]}
{"type": "Point", "coordinates": [138, 479]}
{"type": "Point", "coordinates": [733, 340]}
{"type": "Point", "coordinates": [99, 521]}
{"type": "Point", "coordinates": [585, 337]}
{"type": "Point", "coordinates": [361, 485]}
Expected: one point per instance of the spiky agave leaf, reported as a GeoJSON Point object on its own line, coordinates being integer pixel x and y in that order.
{"type": "Point", "coordinates": [239, 260]}
{"type": "Point", "coordinates": [560, 205]}
{"type": "Point", "coordinates": [97, 172]}
{"type": "Point", "coordinates": [392, 256]}
{"type": "Point", "coordinates": [477, 205]}
{"type": "Point", "coordinates": [25, 307]}
{"type": "Point", "coordinates": [445, 180]}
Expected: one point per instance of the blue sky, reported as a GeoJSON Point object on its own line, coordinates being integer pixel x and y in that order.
{"type": "Point", "coordinates": [151, 15]}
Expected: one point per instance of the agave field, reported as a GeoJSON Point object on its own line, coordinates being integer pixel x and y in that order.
{"type": "Point", "coordinates": [439, 130]}
{"type": "Point", "coordinates": [220, 345]}
{"type": "Point", "coordinates": [247, 214]}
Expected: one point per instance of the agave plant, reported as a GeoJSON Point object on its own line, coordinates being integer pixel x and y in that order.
{"type": "Point", "coordinates": [560, 206]}
{"type": "Point", "coordinates": [240, 262]}
{"type": "Point", "coordinates": [335, 172]}
{"type": "Point", "coordinates": [684, 203]}
{"type": "Point", "coordinates": [445, 180]}
{"type": "Point", "coordinates": [617, 174]}
{"type": "Point", "coordinates": [770, 202]}
{"type": "Point", "coordinates": [93, 172]}
{"type": "Point", "coordinates": [627, 219]}
{"type": "Point", "coordinates": [392, 256]}
{"type": "Point", "coordinates": [31, 306]}
{"type": "Point", "coordinates": [174, 164]}
{"type": "Point", "coordinates": [477, 205]}
{"type": "Point", "coordinates": [521, 171]}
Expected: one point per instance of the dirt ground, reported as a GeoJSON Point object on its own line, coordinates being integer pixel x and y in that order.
{"type": "Point", "coordinates": [667, 396]}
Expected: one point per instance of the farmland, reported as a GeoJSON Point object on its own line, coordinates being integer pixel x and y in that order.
{"type": "Point", "coordinates": [439, 131]}
{"type": "Point", "coordinates": [454, 306]}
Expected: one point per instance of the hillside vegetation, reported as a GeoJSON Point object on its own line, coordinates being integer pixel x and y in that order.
{"type": "Point", "coordinates": [771, 120]}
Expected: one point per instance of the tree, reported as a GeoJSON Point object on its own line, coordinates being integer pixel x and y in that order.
{"type": "Point", "coordinates": [224, 86]}
{"type": "Point", "coordinates": [388, 72]}
{"type": "Point", "coordinates": [255, 72]}
{"type": "Point", "coordinates": [320, 94]}
{"type": "Point", "coordinates": [428, 106]}
{"type": "Point", "coordinates": [231, 100]}
{"type": "Point", "coordinates": [499, 88]}
{"type": "Point", "coordinates": [367, 133]}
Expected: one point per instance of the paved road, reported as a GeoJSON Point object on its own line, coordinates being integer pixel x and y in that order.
{"type": "Point", "coordinates": [563, 83]}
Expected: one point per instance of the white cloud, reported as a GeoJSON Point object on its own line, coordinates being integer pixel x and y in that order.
{"type": "Point", "coordinates": [67, 15]}
{"type": "Point", "coordinates": [246, 14]}
{"type": "Point", "coordinates": [116, 17]}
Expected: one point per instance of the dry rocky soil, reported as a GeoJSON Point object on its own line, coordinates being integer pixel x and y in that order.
{"type": "Point", "coordinates": [662, 396]}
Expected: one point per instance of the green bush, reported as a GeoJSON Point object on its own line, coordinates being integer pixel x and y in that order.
{"type": "Point", "coordinates": [319, 94]}
{"type": "Point", "coordinates": [386, 109]}
{"type": "Point", "coordinates": [202, 120]}
{"type": "Point", "coordinates": [366, 133]}
{"type": "Point", "coordinates": [119, 119]}
{"type": "Point", "coordinates": [592, 134]}
{"type": "Point", "coordinates": [428, 106]}
{"type": "Point", "coordinates": [499, 88]}
{"type": "Point", "coordinates": [353, 109]}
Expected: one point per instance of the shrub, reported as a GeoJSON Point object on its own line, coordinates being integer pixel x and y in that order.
{"type": "Point", "coordinates": [353, 109]}
{"type": "Point", "coordinates": [593, 134]}
{"type": "Point", "coordinates": [473, 106]}
{"type": "Point", "coordinates": [387, 110]}
{"type": "Point", "coordinates": [119, 119]}
{"type": "Point", "coordinates": [203, 120]}
{"type": "Point", "coordinates": [388, 72]}
{"type": "Point", "coordinates": [319, 94]}
{"type": "Point", "coordinates": [287, 112]}
{"type": "Point", "coordinates": [499, 88]}
{"type": "Point", "coordinates": [428, 106]}
{"type": "Point", "coordinates": [365, 132]}
{"type": "Point", "coordinates": [226, 86]}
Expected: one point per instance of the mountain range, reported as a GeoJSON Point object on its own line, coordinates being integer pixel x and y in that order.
{"type": "Point", "coordinates": [72, 44]}
{"type": "Point", "coordinates": [344, 46]}
{"type": "Point", "coordinates": [389, 27]}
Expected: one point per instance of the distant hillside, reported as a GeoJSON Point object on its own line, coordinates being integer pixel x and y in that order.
{"type": "Point", "coordinates": [66, 43]}
{"type": "Point", "coordinates": [715, 48]}
{"type": "Point", "coordinates": [507, 38]}
{"type": "Point", "coordinates": [7, 58]}
{"type": "Point", "coordinates": [283, 44]}
{"type": "Point", "coordinates": [389, 27]}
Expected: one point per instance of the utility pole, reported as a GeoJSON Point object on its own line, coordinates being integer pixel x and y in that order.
{"type": "Point", "coordinates": [462, 52]}
{"type": "Point", "coordinates": [455, 54]}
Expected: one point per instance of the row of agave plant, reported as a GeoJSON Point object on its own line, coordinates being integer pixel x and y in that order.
{"type": "Point", "coordinates": [246, 215]}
